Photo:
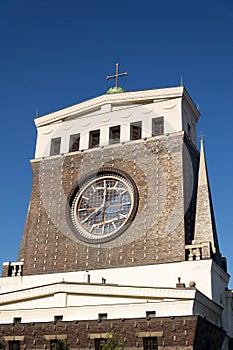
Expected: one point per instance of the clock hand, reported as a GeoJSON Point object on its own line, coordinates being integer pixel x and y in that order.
{"type": "Point", "coordinates": [99, 208]}
{"type": "Point", "coordinates": [104, 202]}
{"type": "Point", "coordinates": [105, 193]}
{"type": "Point", "coordinates": [94, 212]}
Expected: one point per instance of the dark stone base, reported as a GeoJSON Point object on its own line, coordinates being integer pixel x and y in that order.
{"type": "Point", "coordinates": [184, 332]}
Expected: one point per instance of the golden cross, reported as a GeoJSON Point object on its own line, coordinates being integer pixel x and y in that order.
{"type": "Point", "coordinates": [117, 75]}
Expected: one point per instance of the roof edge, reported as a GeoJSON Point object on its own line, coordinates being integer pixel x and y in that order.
{"type": "Point", "coordinates": [121, 98]}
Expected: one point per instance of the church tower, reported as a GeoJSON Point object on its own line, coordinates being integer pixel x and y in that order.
{"type": "Point", "coordinates": [114, 183]}
{"type": "Point", "coordinates": [120, 228]}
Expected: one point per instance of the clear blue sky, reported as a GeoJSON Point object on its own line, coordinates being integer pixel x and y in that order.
{"type": "Point", "coordinates": [55, 53]}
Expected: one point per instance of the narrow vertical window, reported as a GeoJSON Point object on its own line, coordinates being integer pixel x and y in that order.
{"type": "Point", "coordinates": [189, 129]}
{"type": "Point", "coordinates": [74, 143]}
{"type": "Point", "coordinates": [157, 126]}
{"type": "Point", "coordinates": [98, 343]}
{"type": "Point", "coordinates": [14, 345]}
{"type": "Point", "coordinates": [114, 134]}
{"type": "Point", "coordinates": [150, 343]}
{"type": "Point", "coordinates": [55, 146]}
{"type": "Point", "coordinates": [54, 344]}
{"type": "Point", "coordinates": [94, 138]}
{"type": "Point", "coordinates": [136, 131]}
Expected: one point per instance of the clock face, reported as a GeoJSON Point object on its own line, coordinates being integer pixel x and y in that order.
{"type": "Point", "coordinates": [103, 207]}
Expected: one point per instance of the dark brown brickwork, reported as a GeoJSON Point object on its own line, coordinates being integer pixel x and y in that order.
{"type": "Point", "coordinates": [164, 170]}
{"type": "Point", "coordinates": [5, 271]}
{"type": "Point", "coordinates": [183, 333]}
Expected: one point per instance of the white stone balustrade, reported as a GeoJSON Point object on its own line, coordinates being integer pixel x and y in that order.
{"type": "Point", "coordinates": [199, 250]}
{"type": "Point", "coordinates": [14, 268]}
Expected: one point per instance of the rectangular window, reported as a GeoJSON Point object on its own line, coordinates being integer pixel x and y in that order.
{"type": "Point", "coordinates": [150, 314]}
{"type": "Point", "coordinates": [58, 318]}
{"type": "Point", "coordinates": [17, 320]}
{"type": "Point", "coordinates": [58, 344]}
{"type": "Point", "coordinates": [102, 316]}
{"type": "Point", "coordinates": [136, 131]}
{"type": "Point", "coordinates": [157, 126]}
{"type": "Point", "coordinates": [54, 344]}
{"type": "Point", "coordinates": [150, 343]}
{"type": "Point", "coordinates": [94, 138]}
{"type": "Point", "coordinates": [98, 343]}
{"type": "Point", "coordinates": [114, 134]}
{"type": "Point", "coordinates": [55, 146]}
{"type": "Point", "coordinates": [14, 345]}
{"type": "Point", "coordinates": [74, 143]}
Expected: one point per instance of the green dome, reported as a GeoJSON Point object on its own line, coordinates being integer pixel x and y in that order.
{"type": "Point", "coordinates": [115, 90]}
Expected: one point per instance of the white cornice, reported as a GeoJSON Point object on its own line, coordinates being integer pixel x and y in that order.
{"type": "Point", "coordinates": [122, 98]}
{"type": "Point", "coordinates": [105, 290]}
{"type": "Point", "coordinates": [98, 290]}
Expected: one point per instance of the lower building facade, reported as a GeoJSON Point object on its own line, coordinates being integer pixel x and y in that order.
{"type": "Point", "coordinates": [148, 333]}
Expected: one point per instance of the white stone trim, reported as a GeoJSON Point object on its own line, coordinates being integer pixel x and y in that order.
{"type": "Point", "coordinates": [99, 335]}
{"type": "Point", "coordinates": [163, 294]}
{"type": "Point", "coordinates": [98, 289]}
{"type": "Point", "coordinates": [150, 334]}
{"type": "Point", "coordinates": [122, 98]}
{"type": "Point", "coordinates": [13, 337]}
{"type": "Point", "coordinates": [55, 336]}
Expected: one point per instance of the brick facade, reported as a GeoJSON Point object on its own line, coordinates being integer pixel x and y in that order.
{"type": "Point", "coordinates": [164, 170]}
{"type": "Point", "coordinates": [183, 333]}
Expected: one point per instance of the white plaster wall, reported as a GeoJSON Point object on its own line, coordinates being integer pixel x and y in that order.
{"type": "Point", "coordinates": [170, 110]}
{"type": "Point", "coordinates": [114, 307]}
{"type": "Point", "coordinates": [219, 282]}
{"type": "Point", "coordinates": [87, 312]}
{"type": "Point", "coordinates": [188, 118]}
{"type": "Point", "coordinates": [200, 309]}
{"type": "Point", "coordinates": [160, 275]}
{"type": "Point", "coordinates": [43, 303]}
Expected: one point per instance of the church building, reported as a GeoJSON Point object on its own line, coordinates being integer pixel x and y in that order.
{"type": "Point", "coordinates": [120, 237]}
